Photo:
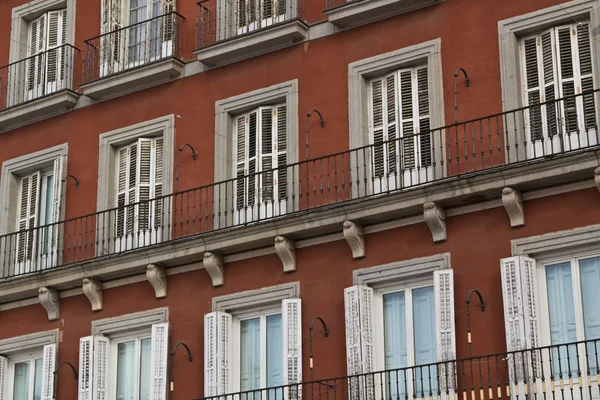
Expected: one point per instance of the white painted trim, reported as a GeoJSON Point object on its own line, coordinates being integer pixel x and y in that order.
{"type": "Point", "coordinates": [401, 270]}
{"type": "Point", "coordinates": [267, 296]}
{"type": "Point", "coordinates": [110, 141]}
{"type": "Point", "coordinates": [130, 322]}
{"type": "Point", "coordinates": [557, 242]}
{"type": "Point", "coordinates": [13, 168]}
{"type": "Point", "coordinates": [28, 342]}
{"type": "Point", "coordinates": [31, 10]}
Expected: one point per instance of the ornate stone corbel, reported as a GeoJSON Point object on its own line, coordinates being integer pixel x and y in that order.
{"type": "Point", "coordinates": [157, 276]}
{"type": "Point", "coordinates": [213, 263]}
{"type": "Point", "coordinates": [435, 217]}
{"type": "Point", "coordinates": [597, 177]}
{"type": "Point", "coordinates": [286, 250]}
{"type": "Point", "coordinates": [354, 235]}
{"type": "Point", "coordinates": [513, 203]}
{"type": "Point", "coordinates": [92, 288]}
{"type": "Point", "coordinates": [49, 299]}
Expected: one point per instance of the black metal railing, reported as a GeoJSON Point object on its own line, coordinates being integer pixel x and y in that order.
{"type": "Point", "coordinates": [218, 20]}
{"type": "Point", "coordinates": [566, 372]}
{"type": "Point", "coordinates": [280, 190]}
{"type": "Point", "coordinates": [132, 46]}
{"type": "Point", "coordinates": [329, 4]}
{"type": "Point", "coordinates": [37, 76]}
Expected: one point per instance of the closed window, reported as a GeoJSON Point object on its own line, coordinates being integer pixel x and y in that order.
{"type": "Point", "coordinates": [132, 357]}
{"type": "Point", "coordinates": [557, 64]}
{"type": "Point", "coordinates": [46, 61]}
{"type": "Point", "coordinates": [399, 125]}
{"type": "Point", "coordinates": [260, 163]}
{"type": "Point", "coordinates": [28, 376]}
{"type": "Point", "coordinates": [139, 181]}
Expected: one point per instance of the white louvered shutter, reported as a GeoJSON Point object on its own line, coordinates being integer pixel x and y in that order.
{"type": "Point", "coordinates": [145, 185]}
{"type": "Point", "coordinates": [156, 225]}
{"type": "Point", "coordinates": [36, 60]}
{"type": "Point", "coordinates": [377, 125]}
{"type": "Point", "coordinates": [292, 347]}
{"type": "Point", "coordinates": [240, 132]}
{"type": "Point", "coordinates": [28, 220]}
{"type": "Point", "coordinates": [55, 56]}
{"type": "Point", "coordinates": [247, 133]}
{"type": "Point", "coordinates": [443, 288]}
{"type": "Point", "coordinates": [217, 353]}
{"type": "Point", "coordinates": [159, 361]}
{"type": "Point", "coordinates": [3, 378]}
{"type": "Point", "coordinates": [267, 131]}
{"type": "Point", "coordinates": [86, 370]}
{"type": "Point", "coordinates": [56, 211]}
{"type": "Point", "coordinates": [49, 365]}
{"type": "Point", "coordinates": [100, 368]}
{"type": "Point", "coordinates": [533, 92]}
{"type": "Point", "coordinates": [568, 75]}
{"type": "Point", "coordinates": [408, 119]}
{"type": "Point", "coordinates": [168, 6]}
{"type": "Point", "coordinates": [280, 153]}
{"type": "Point", "coordinates": [425, 141]}
{"type": "Point", "coordinates": [106, 13]}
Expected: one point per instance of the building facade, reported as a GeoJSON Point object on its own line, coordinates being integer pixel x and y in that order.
{"type": "Point", "coordinates": [420, 175]}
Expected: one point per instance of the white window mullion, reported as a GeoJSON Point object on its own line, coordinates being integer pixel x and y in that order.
{"type": "Point", "coordinates": [263, 351]}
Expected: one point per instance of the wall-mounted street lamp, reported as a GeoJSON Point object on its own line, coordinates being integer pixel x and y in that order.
{"type": "Point", "coordinates": [171, 379]}
{"type": "Point", "coordinates": [321, 120]}
{"type": "Point", "coordinates": [467, 84]}
{"type": "Point", "coordinates": [72, 177]}
{"type": "Point", "coordinates": [55, 373]}
{"type": "Point", "coordinates": [481, 306]}
{"type": "Point", "coordinates": [310, 330]}
{"type": "Point", "coordinates": [194, 156]}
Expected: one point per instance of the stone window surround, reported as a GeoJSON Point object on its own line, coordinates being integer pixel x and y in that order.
{"type": "Point", "coordinates": [29, 11]}
{"type": "Point", "coordinates": [129, 323]}
{"type": "Point", "coordinates": [242, 302]}
{"type": "Point", "coordinates": [395, 272]}
{"type": "Point", "coordinates": [34, 341]}
{"type": "Point", "coordinates": [359, 72]}
{"type": "Point", "coordinates": [112, 140]}
{"type": "Point", "coordinates": [227, 109]}
{"type": "Point", "coordinates": [558, 243]}
{"type": "Point", "coordinates": [12, 169]}
{"type": "Point", "coordinates": [511, 29]}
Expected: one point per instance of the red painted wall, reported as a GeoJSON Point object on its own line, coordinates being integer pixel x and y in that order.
{"type": "Point", "coordinates": [476, 241]}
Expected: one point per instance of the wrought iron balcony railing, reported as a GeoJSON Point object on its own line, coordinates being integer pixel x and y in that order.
{"type": "Point", "coordinates": [219, 20]}
{"type": "Point", "coordinates": [133, 46]}
{"type": "Point", "coordinates": [566, 372]}
{"type": "Point", "coordinates": [282, 190]}
{"type": "Point", "coordinates": [37, 76]}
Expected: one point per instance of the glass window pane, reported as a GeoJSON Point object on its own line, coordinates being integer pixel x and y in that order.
{"type": "Point", "coordinates": [126, 371]}
{"type": "Point", "coordinates": [250, 354]}
{"type": "Point", "coordinates": [37, 385]}
{"type": "Point", "coordinates": [21, 382]}
{"type": "Point", "coordinates": [424, 338]}
{"type": "Point", "coordinates": [561, 311]}
{"type": "Point", "coordinates": [589, 270]}
{"type": "Point", "coordinates": [274, 354]}
{"type": "Point", "coordinates": [394, 338]}
{"type": "Point", "coordinates": [145, 370]}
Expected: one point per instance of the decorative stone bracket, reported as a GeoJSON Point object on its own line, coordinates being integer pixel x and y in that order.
{"type": "Point", "coordinates": [353, 232]}
{"type": "Point", "coordinates": [157, 276]}
{"type": "Point", "coordinates": [213, 263]}
{"type": "Point", "coordinates": [435, 217]}
{"type": "Point", "coordinates": [49, 299]}
{"type": "Point", "coordinates": [597, 177]}
{"type": "Point", "coordinates": [286, 250]}
{"type": "Point", "coordinates": [513, 203]}
{"type": "Point", "coordinates": [92, 288]}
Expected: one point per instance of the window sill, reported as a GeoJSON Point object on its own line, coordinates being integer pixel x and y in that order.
{"type": "Point", "coordinates": [37, 110]}
{"type": "Point", "coordinates": [250, 45]}
{"type": "Point", "coordinates": [361, 12]}
{"type": "Point", "coordinates": [133, 80]}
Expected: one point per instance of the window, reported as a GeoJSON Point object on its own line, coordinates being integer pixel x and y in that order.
{"type": "Point", "coordinates": [46, 55]}
{"type": "Point", "coordinates": [139, 174]}
{"type": "Point", "coordinates": [556, 64]}
{"type": "Point", "coordinates": [256, 14]}
{"type": "Point", "coordinates": [261, 163]}
{"type": "Point", "coordinates": [399, 126]}
{"type": "Point", "coordinates": [128, 364]}
{"type": "Point", "coordinates": [256, 348]}
{"type": "Point", "coordinates": [39, 207]}
{"type": "Point", "coordinates": [28, 375]}
{"type": "Point", "coordinates": [399, 317]}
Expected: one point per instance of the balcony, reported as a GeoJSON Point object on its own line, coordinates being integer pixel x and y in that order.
{"type": "Point", "coordinates": [133, 58]}
{"type": "Point", "coordinates": [227, 33]}
{"type": "Point", "coordinates": [350, 13]}
{"type": "Point", "coordinates": [37, 87]}
{"type": "Point", "coordinates": [472, 161]}
{"type": "Point", "coordinates": [560, 372]}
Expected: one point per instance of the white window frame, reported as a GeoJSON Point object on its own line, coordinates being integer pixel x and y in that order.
{"type": "Point", "coordinates": [114, 346]}
{"type": "Point", "coordinates": [238, 317]}
{"type": "Point", "coordinates": [29, 356]}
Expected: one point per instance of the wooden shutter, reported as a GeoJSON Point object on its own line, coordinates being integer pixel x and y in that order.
{"type": "Point", "coordinates": [28, 213]}
{"type": "Point", "coordinates": [56, 208]}
{"type": "Point", "coordinates": [159, 361]}
{"type": "Point", "coordinates": [3, 378]}
{"type": "Point", "coordinates": [587, 77]}
{"type": "Point", "coordinates": [241, 128]}
{"type": "Point", "coordinates": [568, 76]}
{"type": "Point", "coordinates": [106, 13]}
{"type": "Point", "coordinates": [292, 346]}
{"type": "Point", "coordinates": [145, 183]}
{"type": "Point", "coordinates": [253, 158]}
{"type": "Point", "coordinates": [532, 87]}
{"type": "Point", "coordinates": [217, 353]}
{"type": "Point", "coordinates": [443, 288]}
{"type": "Point", "coordinates": [241, 12]}
{"type": "Point", "coordinates": [267, 143]}
{"type": "Point", "coordinates": [407, 119]}
{"type": "Point", "coordinates": [49, 365]}
{"type": "Point", "coordinates": [37, 45]}
{"type": "Point", "coordinates": [548, 93]}
{"type": "Point", "coordinates": [122, 186]}
{"type": "Point", "coordinates": [157, 181]}
{"type": "Point", "coordinates": [100, 366]}
{"type": "Point", "coordinates": [86, 370]}
{"type": "Point", "coordinates": [359, 329]}
{"type": "Point", "coordinates": [280, 152]}
{"type": "Point", "coordinates": [425, 141]}
{"type": "Point", "coordinates": [56, 38]}
{"type": "Point", "coordinates": [168, 6]}
{"type": "Point", "coordinates": [377, 127]}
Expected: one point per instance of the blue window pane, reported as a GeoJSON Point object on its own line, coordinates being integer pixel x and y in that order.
{"type": "Point", "coordinates": [589, 270]}
{"type": "Point", "coordinates": [37, 384]}
{"type": "Point", "coordinates": [395, 345]}
{"type": "Point", "coordinates": [250, 354]}
{"type": "Point", "coordinates": [424, 337]}
{"type": "Point", "coordinates": [145, 371]}
{"type": "Point", "coordinates": [275, 355]}
{"type": "Point", "coordinates": [21, 381]}
{"type": "Point", "coordinates": [126, 371]}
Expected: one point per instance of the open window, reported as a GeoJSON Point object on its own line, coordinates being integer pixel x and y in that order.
{"type": "Point", "coordinates": [256, 14]}
{"type": "Point", "coordinates": [28, 374]}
